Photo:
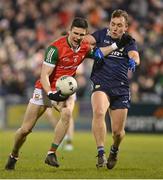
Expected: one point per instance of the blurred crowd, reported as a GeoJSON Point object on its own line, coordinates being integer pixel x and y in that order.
{"type": "Point", "coordinates": [28, 26]}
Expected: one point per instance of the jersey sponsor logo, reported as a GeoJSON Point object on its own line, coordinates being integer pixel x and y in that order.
{"type": "Point", "coordinates": [68, 67]}
{"type": "Point", "coordinates": [66, 59]}
{"type": "Point", "coordinates": [116, 56]}
{"type": "Point", "coordinates": [49, 55]}
{"type": "Point", "coordinates": [117, 53]}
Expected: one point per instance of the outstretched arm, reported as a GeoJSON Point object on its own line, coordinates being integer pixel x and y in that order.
{"type": "Point", "coordinates": [99, 53]}
{"type": "Point", "coordinates": [92, 41]}
{"type": "Point", "coordinates": [125, 39]}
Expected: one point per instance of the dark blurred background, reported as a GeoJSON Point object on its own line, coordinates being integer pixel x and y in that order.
{"type": "Point", "coordinates": [28, 26]}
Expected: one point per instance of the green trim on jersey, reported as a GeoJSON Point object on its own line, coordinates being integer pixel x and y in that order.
{"type": "Point", "coordinates": [90, 54]}
{"type": "Point", "coordinates": [68, 42]}
{"type": "Point", "coordinates": [51, 55]}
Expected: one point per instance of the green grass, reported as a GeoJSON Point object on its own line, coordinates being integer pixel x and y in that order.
{"type": "Point", "coordinates": [141, 157]}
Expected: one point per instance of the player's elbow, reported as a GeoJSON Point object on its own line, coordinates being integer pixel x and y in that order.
{"type": "Point", "coordinates": [134, 55]}
{"type": "Point", "coordinates": [137, 62]}
{"type": "Point", "coordinates": [137, 59]}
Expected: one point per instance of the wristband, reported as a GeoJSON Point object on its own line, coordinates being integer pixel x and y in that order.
{"type": "Point", "coordinates": [114, 46]}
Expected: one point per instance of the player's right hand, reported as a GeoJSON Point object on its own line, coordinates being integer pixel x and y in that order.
{"type": "Point", "coordinates": [57, 96]}
{"type": "Point", "coordinates": [131, 65]}
{"type": "Point", "coordinates": [125, 39]}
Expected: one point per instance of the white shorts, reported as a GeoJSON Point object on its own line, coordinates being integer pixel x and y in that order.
{"type": "Point", "coordinates": [40, 98]}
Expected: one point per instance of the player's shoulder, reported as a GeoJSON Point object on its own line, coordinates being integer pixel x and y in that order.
{"type": "Point", "coordinates": [133, 41]}
{"type": "Point", "coordinates": [129, 35]}
{"type": "Point", "coordinates": [59, 42]}
{"type": "Point", "coordinates": [132, 45]}
{"type": "Point", "coordinates": [56, 45]}
{"type": "Point", "coordinates": [102, 31]}
{"type": "Point", "coordinates": [100, 34]}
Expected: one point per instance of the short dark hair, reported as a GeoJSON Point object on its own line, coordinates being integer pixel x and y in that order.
{"type": "Point", "coordinates": [120, 13]}
{"type": "Point", "coordinates": [80, 23]}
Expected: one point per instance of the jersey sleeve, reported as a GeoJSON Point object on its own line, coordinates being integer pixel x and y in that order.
{"type": "Point", "coordinates": [132, 46]}
{"type": "Point", "coordinates": [99, 35]}
{"type": "Point", "coordinates": [51, 56]}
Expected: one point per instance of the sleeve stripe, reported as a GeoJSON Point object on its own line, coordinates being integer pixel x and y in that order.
{"type": "Point", "coordinates": [48, 64]}
{"type": "Point", "coordinates": [50, 54]}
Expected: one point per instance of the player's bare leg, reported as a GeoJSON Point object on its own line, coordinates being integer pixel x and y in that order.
{"type": "Point", "coordinates": [62, 126]}
{"type": "Point", "coordinates": [118, 120]}
{"type": "Point", "coordinates": [33, 112]}
{"type": "Point", "coordinates": [70, 131]}
{"type": "Point", "coordinates": [50, 116]}
{"type": "Point", "coordinates": [67, 144]}
{"type": "Point", "coordinates": [67, 141]}
{"type": "Point", "coordinates": [100, 105]}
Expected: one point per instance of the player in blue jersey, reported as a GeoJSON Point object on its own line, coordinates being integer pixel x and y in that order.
{"type": "Point", "coordinates": [111, 86]}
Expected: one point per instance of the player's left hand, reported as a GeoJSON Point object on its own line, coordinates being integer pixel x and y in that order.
{"type": "Point", "coordinates": [57, 96]}
{"type": "Point", "coordinates": [125, 39]}
{"type": "Point", "coordinates": [132, 65]}
{"type": "Point", "coordinates": [98, 55]}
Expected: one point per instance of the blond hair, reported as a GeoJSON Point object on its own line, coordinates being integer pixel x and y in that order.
{"type": "Point", "coordinates": [120, 13]}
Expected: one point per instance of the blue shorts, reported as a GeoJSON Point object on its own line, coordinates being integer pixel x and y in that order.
{"type": "Point", "coordinates": [119, 97]}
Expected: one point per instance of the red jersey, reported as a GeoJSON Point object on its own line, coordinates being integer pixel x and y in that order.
{"type": "Point", "coordinates": [64, 59]}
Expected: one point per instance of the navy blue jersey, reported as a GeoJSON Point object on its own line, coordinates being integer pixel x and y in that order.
{"type": "Point", "coordinates": [112, 73]}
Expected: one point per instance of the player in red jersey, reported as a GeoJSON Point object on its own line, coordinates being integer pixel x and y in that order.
{"type": "Point", "coordinates": [62, 58]}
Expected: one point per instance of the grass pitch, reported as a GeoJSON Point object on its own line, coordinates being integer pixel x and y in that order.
{"type": "Point", "coordinates": [141, 157]}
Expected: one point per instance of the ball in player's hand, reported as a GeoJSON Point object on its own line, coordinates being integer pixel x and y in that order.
{"type": "Point", "coordinates": [67, 85]}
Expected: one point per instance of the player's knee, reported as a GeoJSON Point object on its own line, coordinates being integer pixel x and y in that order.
{"type": "Point", "coordinates": [98, 114]}
{"type": "Point", "coordinates": [66, 115]}
{"type": "Point", "coordinates": [25, 131]}
{"type": "Point", "coordinates": [118, 134]}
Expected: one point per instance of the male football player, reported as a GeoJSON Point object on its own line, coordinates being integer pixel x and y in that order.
{"type": "Point", "coordinates": [62, 57]}
{"type": "Point", "coordinates": [111, 86]}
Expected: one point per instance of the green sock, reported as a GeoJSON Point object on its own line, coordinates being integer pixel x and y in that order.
{"type": "Point", "coordinates": [54, 147]}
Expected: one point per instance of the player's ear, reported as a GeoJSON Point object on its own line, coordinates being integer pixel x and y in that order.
{"type": "Point", "coordinates": [87, 32]}
{"type": "Point", "coordinates": [126, 26]}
